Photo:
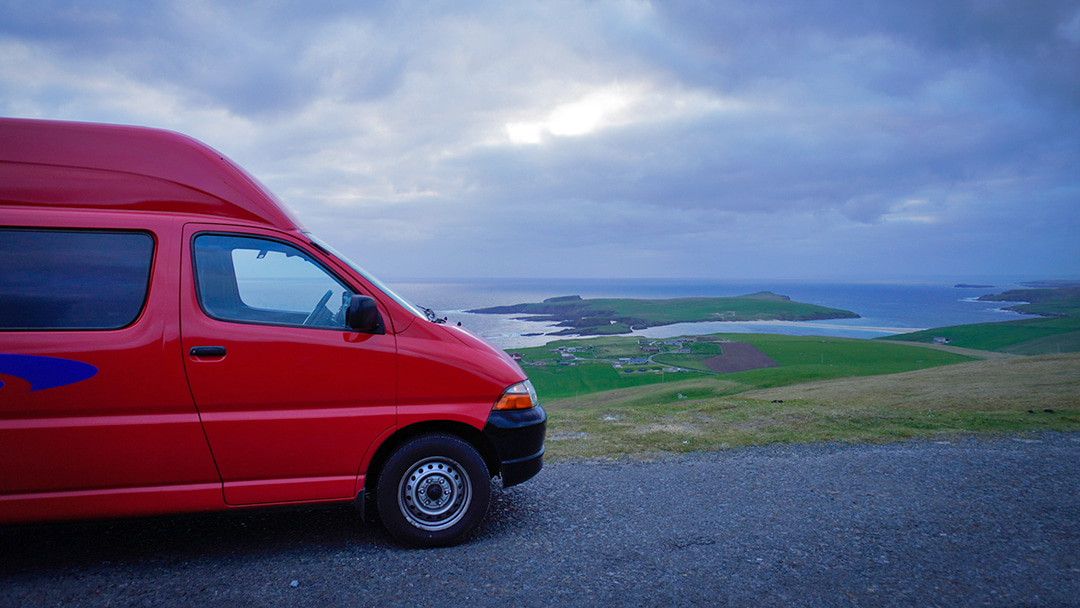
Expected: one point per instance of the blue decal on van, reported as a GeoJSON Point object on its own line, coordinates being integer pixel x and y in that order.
{"type": "Point", "coordinates": [45, 372]}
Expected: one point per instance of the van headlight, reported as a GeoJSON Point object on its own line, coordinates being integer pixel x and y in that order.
{"type": "Point", "coordinates": [520, 396]}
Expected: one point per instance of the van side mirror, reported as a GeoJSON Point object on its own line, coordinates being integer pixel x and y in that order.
{"type": "Point", "coordinates": [363, 315]}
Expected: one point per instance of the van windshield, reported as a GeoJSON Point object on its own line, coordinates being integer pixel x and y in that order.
{"type": "Point", "coordinates": [416, 310]}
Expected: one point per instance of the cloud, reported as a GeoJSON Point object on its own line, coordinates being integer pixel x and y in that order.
{"type": "Point", "coordinates": [608, 138]}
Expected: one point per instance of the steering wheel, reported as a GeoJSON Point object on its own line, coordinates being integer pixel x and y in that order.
{"type": "Point", "coordinates": [310, 320]}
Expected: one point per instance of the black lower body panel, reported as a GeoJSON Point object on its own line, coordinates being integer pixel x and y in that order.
{"type": "Point", "coordinates": [518, 437]}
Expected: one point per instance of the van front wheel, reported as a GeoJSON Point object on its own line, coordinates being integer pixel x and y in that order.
{"type": "Point", "coordinates": [433, 491]}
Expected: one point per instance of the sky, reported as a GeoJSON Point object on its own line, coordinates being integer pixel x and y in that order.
{"type": "Point", "coordinates": [744, 139]}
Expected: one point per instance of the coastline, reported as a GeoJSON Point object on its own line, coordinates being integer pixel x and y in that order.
{"type": "Point", "coordinates": [884, 308]}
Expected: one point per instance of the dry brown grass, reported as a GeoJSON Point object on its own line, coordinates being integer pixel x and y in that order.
{"type": "Point", "coordinates": [1045, 381]}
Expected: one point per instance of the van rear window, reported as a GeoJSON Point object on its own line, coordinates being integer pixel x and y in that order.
{"type": "Point", "coordinates": [66, 280]}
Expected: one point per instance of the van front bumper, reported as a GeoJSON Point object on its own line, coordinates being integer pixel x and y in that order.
{"type": "Point", "coordinates": [518, 437]}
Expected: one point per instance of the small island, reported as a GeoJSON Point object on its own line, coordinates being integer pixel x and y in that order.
{"type": "Point", "coordinates": [607, 316]}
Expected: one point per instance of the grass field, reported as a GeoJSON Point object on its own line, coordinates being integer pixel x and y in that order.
{"type": "Point", "coordinates": [1017, 395]}
{"type": "Point", "coordinates": [1023, 337]}
{"type": "Point", "coordinates": [590, 367]}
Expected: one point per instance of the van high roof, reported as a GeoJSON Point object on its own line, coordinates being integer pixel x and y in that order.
{"type": "Point", "coordinates": [47, 163]}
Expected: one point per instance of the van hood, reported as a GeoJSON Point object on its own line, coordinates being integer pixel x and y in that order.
{"type": "Point", "coordinates": [435, 355]}
{"type": "Point", "coordinates": [474, 340]}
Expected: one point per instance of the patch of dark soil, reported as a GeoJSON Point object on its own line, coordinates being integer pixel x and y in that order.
{"type": "Point", "coordinates": [739, 357]}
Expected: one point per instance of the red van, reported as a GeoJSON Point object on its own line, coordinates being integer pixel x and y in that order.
{"type": "Point", "coordinates": [173, 340]}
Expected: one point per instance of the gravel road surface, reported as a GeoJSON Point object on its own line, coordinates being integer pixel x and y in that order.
{"type": "Point", "coordinates": [963, 522]}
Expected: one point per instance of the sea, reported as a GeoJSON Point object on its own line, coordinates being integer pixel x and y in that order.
{"type": "Point", "coordinates": [884, 308]}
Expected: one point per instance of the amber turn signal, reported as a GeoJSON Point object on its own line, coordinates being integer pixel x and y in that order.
{"type": "Point", "coordinates": [520, 396]}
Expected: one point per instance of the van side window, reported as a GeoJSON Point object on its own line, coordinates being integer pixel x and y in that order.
{"type": "Point", "coordinates": [72, 280]}
{"type": "Point", "coordinates": [253, 280]}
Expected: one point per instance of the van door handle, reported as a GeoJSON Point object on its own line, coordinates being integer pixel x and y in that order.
{"type": "Point", "coordinates": [207, 351]}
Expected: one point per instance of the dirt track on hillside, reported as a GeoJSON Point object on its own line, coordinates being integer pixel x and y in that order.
{"type": "Point", "coordinates": [967, 352]}
{"type": "Point", "coordinates": [739, 357]}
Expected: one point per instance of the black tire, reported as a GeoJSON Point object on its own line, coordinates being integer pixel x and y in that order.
{"type": "Point", "coordinates": [433, 491]}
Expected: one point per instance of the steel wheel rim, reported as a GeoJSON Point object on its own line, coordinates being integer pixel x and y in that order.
{"type": "Point", "coordinates": [435, 493]}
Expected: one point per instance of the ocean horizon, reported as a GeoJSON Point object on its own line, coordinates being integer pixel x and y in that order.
{"type": "Point", "coordinates": [884, 308]}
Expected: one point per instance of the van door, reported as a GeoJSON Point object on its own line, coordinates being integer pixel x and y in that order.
{"type": "Point", "coordinates": [290, 397]}
{"type": "Point", "coordinates": [95, 415]}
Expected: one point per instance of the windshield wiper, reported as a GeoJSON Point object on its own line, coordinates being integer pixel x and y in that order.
{"type": "Point", "coordinates": [431, 316]}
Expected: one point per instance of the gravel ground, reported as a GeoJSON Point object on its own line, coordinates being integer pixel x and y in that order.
{"type": "Point", "coordinates": [964, 522]}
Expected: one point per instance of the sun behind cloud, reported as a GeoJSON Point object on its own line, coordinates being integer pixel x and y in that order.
{"type": "Point", "coordinates": [581, 117]}
{"type": "Point", "coordinates": [613, 106]}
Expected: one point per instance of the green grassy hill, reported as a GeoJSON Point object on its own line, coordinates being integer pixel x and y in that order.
{"type": "Point", "coordinates": [1057, 331]}
{"type": "Point", "coordinates": [1049, 302]}
{"type": "Point", "coordinates": [608, 316]}
{"type": "Point", "coordinates": [1022, 337]}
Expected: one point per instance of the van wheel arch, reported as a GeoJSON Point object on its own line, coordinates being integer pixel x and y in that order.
{"type": "Point", "coordinates": [466, 433]}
